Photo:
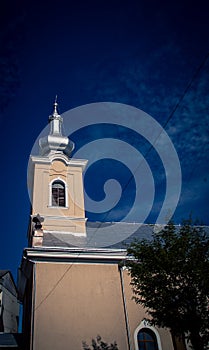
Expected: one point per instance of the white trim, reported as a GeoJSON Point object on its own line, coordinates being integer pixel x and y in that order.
{"type": "Point", "coordinates": [72, 253]}
{"type": "Point", "coordinates": [50, 193]}
{"type": "Point", "coordinates": [145, 324]}
{"type": "Point", "coordinates": [54, 207]}
{"type": "Point", "coordinates": [74, 234]}
{"type": "Point", "coordinates": [59, 156]}
{"type": "Point", "coordinates": [54, 217]}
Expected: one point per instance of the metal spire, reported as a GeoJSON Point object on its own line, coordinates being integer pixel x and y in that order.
{"type": "Point", "coordinates": [55, 111]}
{"type": "Point", "coordinates": [55, 142]}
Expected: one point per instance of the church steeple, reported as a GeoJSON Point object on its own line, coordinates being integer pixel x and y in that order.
{"type": "Point", "coordinates": [55, 142]}
{"type": "Point", "coordinates": [56, 187]}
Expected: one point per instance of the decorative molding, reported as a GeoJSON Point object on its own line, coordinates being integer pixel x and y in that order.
{"type": "Point", "coordinates": [60, 156]}
{"type": "Point", "coordinates": [146, 323]}
{"type": "Point", "coordinates": [73, 233]}
{"type": "Point", "coordinates": [75, 254]}
{"type": "Point", "coordinates": [53, 217]}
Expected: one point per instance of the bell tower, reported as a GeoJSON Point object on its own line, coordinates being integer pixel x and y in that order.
{"type": "Point", "coordinates": [56, 187]}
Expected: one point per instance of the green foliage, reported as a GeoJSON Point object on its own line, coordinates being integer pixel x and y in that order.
{"type": "Point", "coordinates": [170, 277]}
{"type": "Point", "coordinates": [98, 344]}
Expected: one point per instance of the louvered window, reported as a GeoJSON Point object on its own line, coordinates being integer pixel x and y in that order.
{"type": "Point", "coordinates": [58, 194]}
{"type": "Point", "coordinates": [147, 339]}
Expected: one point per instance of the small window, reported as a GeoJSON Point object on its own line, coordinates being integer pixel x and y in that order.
{"type": "Point", "coordinates": [58, 194]}
{"type": "Point", "coordinates": [147, 339]}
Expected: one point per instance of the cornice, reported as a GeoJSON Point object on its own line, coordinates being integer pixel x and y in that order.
{"type": "Point", "coordinates": [59, 156]}
{"type": "Point", "coordinates": [79, 255]}
{"type": "Point", "coordinates": [61, 218]}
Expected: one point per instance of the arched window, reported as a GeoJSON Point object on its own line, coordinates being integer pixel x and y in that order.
{"type": "Point", "coordinates": [147, 339]}
{"type": "Point", "coordinates": [58, 194]}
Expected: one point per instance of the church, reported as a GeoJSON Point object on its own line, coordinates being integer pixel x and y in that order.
{"type": "Point", "coordinates": [72, 290]}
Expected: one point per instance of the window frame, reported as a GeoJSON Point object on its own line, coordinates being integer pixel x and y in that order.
{"type": "Point", "coordinates": [145, 324]}
{"type": "Point", "coordinates": [50, 193]}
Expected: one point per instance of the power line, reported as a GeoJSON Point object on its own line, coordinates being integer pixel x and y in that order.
{"type": "Point", "coordinates": [196, 73]}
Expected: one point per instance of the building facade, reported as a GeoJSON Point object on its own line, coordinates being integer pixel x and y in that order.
{"type": "Point", "coordinates": [9, 307]}
{"type": "Point", "coordinates": [72, 291]}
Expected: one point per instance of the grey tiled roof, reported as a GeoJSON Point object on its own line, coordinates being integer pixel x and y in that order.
{"type": "Point", "coordinates": [104, 234]}
{"type": "Point", "coordinates": [101, 234]}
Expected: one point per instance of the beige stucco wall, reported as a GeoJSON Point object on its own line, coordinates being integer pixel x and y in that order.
{"type": "Point", "coordinates": [136, 313]}
{"type": "Point", "coordinates": [58, 218]}
{"type": "Point", "coordinates": [76, 302]}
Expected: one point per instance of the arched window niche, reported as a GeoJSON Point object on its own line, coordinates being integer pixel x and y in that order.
{"type": "Point", "coordinates": [146, 337]}
{"type": "Point", "coordinates": [58, 193]}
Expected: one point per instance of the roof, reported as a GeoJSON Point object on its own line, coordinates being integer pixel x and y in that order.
{"type": "Point", "coordinates": [104, 234]}
{"type": "Point", "coordinates": [101, 234]}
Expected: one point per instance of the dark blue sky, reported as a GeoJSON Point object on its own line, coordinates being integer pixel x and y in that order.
{"type": "Point", "coordinates": [140, 53]}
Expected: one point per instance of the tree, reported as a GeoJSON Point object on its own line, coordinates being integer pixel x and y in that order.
{"type": "Point", "coordinates": [170, 277]}
{"type": "Point", "coordinates": [99, 344]}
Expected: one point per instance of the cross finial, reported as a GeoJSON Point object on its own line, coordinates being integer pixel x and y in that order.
{"type": "Point", "coordinates": [55, 111]}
